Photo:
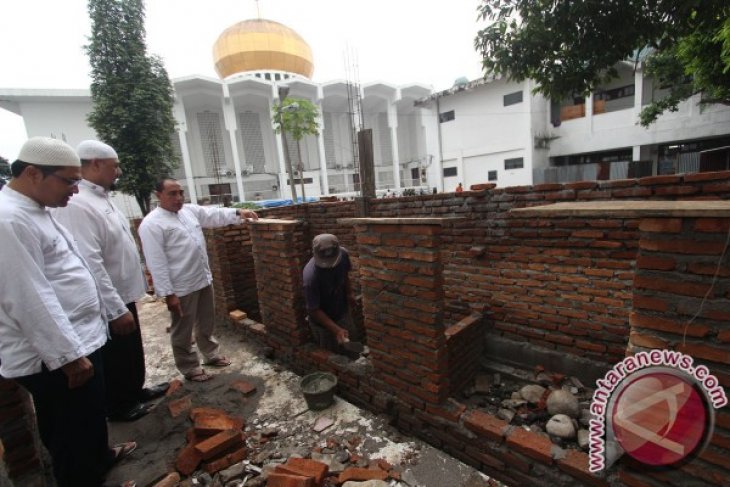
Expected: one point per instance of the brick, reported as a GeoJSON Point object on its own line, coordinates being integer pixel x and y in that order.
{"type": "Point", "coordinates": [246, 388]}
{"type": "Point", "coordinates": [575, 463]}
{"type": "Point", "coordinates": [656, 180]}
{"type": "Point", "coordinates": [661, 225]}
{"type": "Point", "coordinates": [648, 302]}
{"type": "Point", "coordinates": [361, 474]}
{"type": "Point", "coordinates": [308, 468]}
{"type": "Point", "coordinates": [237, 315]}
{"type": "Point", "coordinates": [188, 460]}
{"type": "Point", "coordinates": [225, 461]}
{"type": "Point", "coordinates": [485, 424]}
{"type": "Point", "coordinates": [170, 480]}
{"type": "Point", "coordinates": [653, 262]}
{"type": "Point", "coordinates": [647, 341]}
{"type": "Point", "coordinates": [631, 480]}
{"type": "Point", "coordinates": [712, 225]}
{"type": "Point", "coordinates": [531, 444]}
{"type": "Point", "coordinates": [211, 424]}
{"type": "Point", "coordinates": [640, 320]}
{"type": "Point", "coordinates": [698, 350]}
{"type": "Point", "coordinates": [691, 247]}
{"type": "Point", "coordinates": [286, 480]}
{"type": "Point", "coordinates": [179, 406]}
{"type": "Point", "coordinates": [679, 287]}
{"type": "Point", "coordinates": [218, 443]}
{"type": "Point", "coordinates": [175, 385]}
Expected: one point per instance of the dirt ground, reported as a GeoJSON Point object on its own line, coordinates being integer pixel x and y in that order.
{"type": "Point", "coordinates": [277, 408]}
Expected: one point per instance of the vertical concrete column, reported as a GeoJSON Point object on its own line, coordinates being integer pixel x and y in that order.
{"type": "Point", "coordinates": [229, 116]}
{"type": "Point", "coordinates": [401, 274]}
{"type": "Point", "coordinates": [179, 113]}
{"type": "Point", "coordinates": [393, 126]}
{"type": "Point", "coordinates": [279, 250]}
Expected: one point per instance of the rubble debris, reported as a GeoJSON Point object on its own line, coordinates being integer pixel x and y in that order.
{"type": "Point", "coordinates": [561, 401]}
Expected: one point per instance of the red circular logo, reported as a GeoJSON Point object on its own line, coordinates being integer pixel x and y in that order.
{"type": "Point", "coordinates": [659, 418]}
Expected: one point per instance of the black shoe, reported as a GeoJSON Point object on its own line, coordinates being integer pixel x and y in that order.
{"type": "Point", "coordinates": [132, 414]}
{"type": "Point", "coordinates": [150, 393]}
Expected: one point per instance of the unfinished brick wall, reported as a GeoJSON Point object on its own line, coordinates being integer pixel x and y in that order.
{"type": "Point", "coordinates": [17, 425]}
{"type": "Point", "coordinates": [231, 262]}
{"type": "Point", "coordinates": [682, 302]}
{"type": "Point", "coordinates": [279, 247]}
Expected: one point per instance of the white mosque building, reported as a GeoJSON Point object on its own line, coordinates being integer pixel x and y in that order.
{"type": "Point", "coordinates": [491, 130]}
{"type": "Point", "coordinates": [227, 144]}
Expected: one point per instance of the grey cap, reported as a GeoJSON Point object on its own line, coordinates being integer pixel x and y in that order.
{"type": "Point", "coordinates": [45, 151]}
{"type": "Point", "coordinates": [326, 250]}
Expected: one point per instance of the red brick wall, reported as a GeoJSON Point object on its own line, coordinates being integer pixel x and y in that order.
{"type": "Point", "coordinates": [17, 426]}
{"type": "Point", "coordinates": [231, 262]}
{"type": "Point", "coordinates": [682, 302]}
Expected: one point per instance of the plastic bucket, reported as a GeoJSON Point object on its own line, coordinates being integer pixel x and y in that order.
{"type": "Point", "coordinates": [318, 389]}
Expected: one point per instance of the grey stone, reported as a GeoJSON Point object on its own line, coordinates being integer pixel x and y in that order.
{"type": "Point", "coordinates": [563, 402]}
{"type": "Point", "coordinates": [335, 466]}
{"type": "Point", "coordinates": [342, 456]}
{"type": "Point", "coordinates": [561, 426]}
{"type": "Point", "coordinates": [367, 483]}
{"type": "Point", "coordinates": [234, 472]}
{"type": "Point", "coordinates": [543, 379]}
{"type": "Point", "coordinates": [513, 403]}
{"type": "Point", "coordinates": [532, 393]}
{"type": "Point", "coordinates": [583, 438]}
{"type": "Point", "coordinates": [585, 417]}
{"type": "Point", "coordinates": [506, 414]}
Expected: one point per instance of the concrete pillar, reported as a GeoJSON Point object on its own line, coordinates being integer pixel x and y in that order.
{"type": "Point", "coordinates": [229, 116]}
{"type": "Point", "coordinates": [393, 126]}
{"type": "Point", "coordinates": [179, 114]}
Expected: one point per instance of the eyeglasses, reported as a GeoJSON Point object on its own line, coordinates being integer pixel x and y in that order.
{"type": "Point", "coordinates": [68, 181]}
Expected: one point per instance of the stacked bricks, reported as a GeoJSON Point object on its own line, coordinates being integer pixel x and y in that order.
{"type": "Point", "coordinates": [401, 279]}
{"type": "Point", "coordinates": [465, 343]}
{"type": "Point", "coordinates": [280, 249]}
{"type": "Point", "coordinates": [682, 302]}
{"type": "Point", "coordinates": [562, 283]}
{"type": "Point", "coordinates": [231, 262]}
{"type": "Point", "coordinates": [17, 431]}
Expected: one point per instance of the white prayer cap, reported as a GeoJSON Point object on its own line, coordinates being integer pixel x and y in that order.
{"type": "Point", "coordinates": [93, 149]}
{"type": "Point", "coordinates": [45, 151]}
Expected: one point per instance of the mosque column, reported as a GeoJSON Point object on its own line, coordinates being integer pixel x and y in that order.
{"type": "Point", "coordinates": [324, 179]}
{"type": "Point", "coordinates": [393, 126]}
{"type": "Point", "coordinates": [179, 114]}
{"type": "Point", "coordinates": [229, 116]}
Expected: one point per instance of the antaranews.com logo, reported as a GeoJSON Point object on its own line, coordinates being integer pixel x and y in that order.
{"type": "Point", "coordinates": [655, 406]}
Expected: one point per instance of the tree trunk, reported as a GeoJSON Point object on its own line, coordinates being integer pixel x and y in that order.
{"type": "Point", "coordinates": [301, 170]}
{"type": "Point", "coordinates": [144, 202]}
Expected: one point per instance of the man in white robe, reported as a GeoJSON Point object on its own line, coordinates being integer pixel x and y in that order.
{"type": "Point", "coordinates": [106, 242]}
{"type": "Point", "coordinates": [51, 322]}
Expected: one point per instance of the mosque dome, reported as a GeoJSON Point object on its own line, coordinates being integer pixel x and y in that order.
{"type": "Point", "coordinates": [261, 45]}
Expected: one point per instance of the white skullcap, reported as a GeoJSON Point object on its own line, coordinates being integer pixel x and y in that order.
{"type": "Point", "coordinates": [45, 151]}
{"type": "Point", "coordinates": [93, 149]}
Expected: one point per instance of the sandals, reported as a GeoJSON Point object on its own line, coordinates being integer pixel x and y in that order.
{"type": "Point", "coordinates": [123, 450]}
{"type": "Point", "coordinates": [219, 362]}
{"type": "Point", "coordinates": [199, 376]}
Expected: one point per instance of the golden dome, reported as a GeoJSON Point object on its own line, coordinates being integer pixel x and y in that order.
{"type": "Point", "coordinates": [260, 44]}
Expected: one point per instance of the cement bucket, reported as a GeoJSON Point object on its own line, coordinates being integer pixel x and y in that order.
{"type": "Point", "coordinates": [318, 389]}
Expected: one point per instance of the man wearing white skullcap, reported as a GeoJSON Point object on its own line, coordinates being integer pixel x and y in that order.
{"type": "Point", "coordinates": [106, 242]}
{"type": "Point", "coordinates": [51, 320]}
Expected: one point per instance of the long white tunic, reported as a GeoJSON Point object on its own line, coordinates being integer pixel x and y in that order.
{"type": "Point", "coordinates": [50, 309]}
{"type": "Point", "coordinates": [174, 246]}
{"type": "Point", "coordinates": [103, 236]}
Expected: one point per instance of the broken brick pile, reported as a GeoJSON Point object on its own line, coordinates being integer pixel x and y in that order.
{"type": "Point", "coordinates": [18, 440]}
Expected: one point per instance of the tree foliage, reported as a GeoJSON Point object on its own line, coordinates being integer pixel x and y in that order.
{"type": "Point", "coordinates": [571, 48]}
{"type": "Point", "coordinates": [132, 96]}
{"type": "Point", "coordinates": [298, 118]}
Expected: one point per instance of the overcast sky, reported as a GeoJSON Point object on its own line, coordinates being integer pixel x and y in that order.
{"type": "Point", "coordinates": [397, 41]}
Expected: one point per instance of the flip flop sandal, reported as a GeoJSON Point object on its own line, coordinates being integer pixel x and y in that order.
{"type": "Point", "coordinates": [199, 377]}
{"type": "Point", "coordinates": [123, 450]}
{"type": "Point", "coordinates": [219, 362]}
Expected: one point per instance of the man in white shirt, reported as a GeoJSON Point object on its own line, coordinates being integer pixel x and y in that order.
{"type": "Point", "coordinates": [174, 248]}
{"type": "Point", "coordinates": [106, 243]}
{"type": "Point", "coordinates": [51, 322]}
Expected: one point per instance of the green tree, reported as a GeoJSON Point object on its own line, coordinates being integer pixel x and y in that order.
{"type": "Point", "coordinates": [4, 168]}
{"type": "Point", "coordinates": [572, 47]}
{"type": "Point", "coordinates": [298, 118]}
{"type": "Point", "coordinates": [132, 96]}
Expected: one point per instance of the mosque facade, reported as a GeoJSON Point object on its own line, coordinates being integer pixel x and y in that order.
{"type": "Point", "coordinates": [488, 130]}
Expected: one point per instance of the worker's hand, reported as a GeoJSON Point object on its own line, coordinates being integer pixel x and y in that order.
{"type": "Point", "coordinates": [124, 325]}
{"type": "Point", "coordinates": [173, 304]}
{"type": "Point", "coordinates": [247, 214]}
{"type": "Point", "coordinates": [342, 336]}
{"type": "Point", "coordinates": [78, 372]}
